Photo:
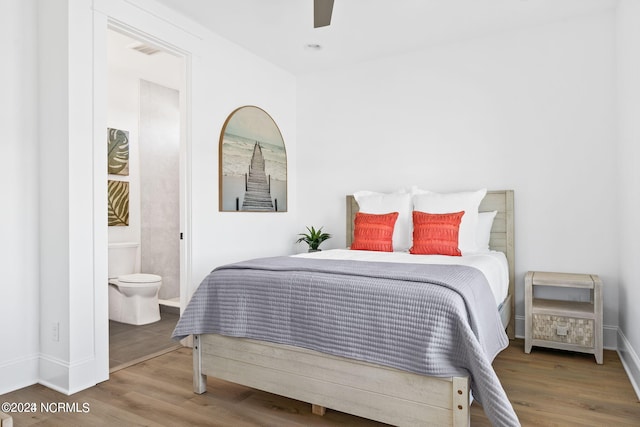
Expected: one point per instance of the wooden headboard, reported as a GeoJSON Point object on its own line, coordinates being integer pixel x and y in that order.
{"type": "Point", "coordinates": [502, 235]}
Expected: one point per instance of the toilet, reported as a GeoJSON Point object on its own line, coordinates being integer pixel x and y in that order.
{"type": "Point", "coordinates": [133, 296]}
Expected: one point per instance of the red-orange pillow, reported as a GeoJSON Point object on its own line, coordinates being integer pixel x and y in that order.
{"type": "Point", "coordinates": [436, 234]}
{"type": "Point", "coordinates": [374, 232]}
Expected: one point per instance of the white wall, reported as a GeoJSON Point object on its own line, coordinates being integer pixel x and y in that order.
{"type": "Point", "coordinates": [628, 44]}
{"type": "Point", "coordinates": [529, 110]}
{"type": "Point", "coordinates": [19, 291]}
{"type": "Point", "coordinates": [224, 79]}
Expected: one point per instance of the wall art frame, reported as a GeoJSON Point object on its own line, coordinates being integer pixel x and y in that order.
{"type": "Point", "coordinates": [252, 163]}
{"type": "Point", "coordinates": [117, 152]}
{"type": "Point", "coordinates": [118, 202]}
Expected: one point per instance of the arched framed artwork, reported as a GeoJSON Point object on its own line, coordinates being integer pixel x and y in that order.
{"type": "Point", "coordinates": [253, 163]}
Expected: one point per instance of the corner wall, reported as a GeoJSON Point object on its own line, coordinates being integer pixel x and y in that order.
{"type": "Point", "coordinates": [19, 292]}
{"type": "Point", "coordinates": [628, 65]}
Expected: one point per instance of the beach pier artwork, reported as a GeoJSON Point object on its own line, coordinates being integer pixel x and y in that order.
{"type": "Point", "coordinates": [253, 163]}
{"type": "Point", "coordinates": [257, 196]}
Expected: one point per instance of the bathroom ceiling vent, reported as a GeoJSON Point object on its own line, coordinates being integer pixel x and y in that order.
{"type": "Point", "coordinates": [144, 48]}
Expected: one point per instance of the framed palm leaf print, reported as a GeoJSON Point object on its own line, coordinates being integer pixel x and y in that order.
{"type": "Point", "coordinates": [118, 152]}
{"type": "Point", "coordinates": [118, 203]}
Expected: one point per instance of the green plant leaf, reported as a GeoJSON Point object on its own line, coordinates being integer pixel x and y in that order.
{"type": "Point", "coordinates": [118, 152]}
{"type": "Point", "coordinates": [118, 202]}
{"type": "Point", "coordinates": [314, 237]}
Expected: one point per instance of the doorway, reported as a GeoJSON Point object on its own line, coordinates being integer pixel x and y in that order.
{"type": "Point", "coordinates": [145, 89]}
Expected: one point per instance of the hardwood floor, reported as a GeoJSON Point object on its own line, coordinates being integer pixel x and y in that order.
{"type": "Point", "coordinates": [561, 388]}
{"type": "Point", "coordinates": [130, 344]}
{"type": "Point", "coordinates": [546, 387]}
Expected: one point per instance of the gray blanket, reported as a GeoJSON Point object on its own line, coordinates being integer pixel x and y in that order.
{"type": "Point", "coordinates": [438, 320]}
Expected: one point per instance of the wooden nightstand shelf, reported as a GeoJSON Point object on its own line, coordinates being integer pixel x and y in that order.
{"type": "Point", "coordinates": [564, 325]}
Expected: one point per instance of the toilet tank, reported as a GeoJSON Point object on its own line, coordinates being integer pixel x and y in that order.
{"type": "Point", "coordinates": [122, 258]}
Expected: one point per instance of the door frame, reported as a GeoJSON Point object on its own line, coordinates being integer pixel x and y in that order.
{"type": "Point", "coordinates": [145, 26]}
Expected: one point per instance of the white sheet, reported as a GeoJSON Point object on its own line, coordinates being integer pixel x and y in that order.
{"type": "Point", "coordinates": [492, 264]}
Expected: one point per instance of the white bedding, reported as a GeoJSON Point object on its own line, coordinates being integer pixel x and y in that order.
{"type": "Point", "coordinates": [492, 264]}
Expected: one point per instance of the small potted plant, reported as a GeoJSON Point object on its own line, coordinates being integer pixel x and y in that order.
{"type": "Point", "coordinates": [313, 238]}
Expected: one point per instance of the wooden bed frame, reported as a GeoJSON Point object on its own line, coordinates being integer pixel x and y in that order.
{"type": "Point", "coordinates": [364, 389]}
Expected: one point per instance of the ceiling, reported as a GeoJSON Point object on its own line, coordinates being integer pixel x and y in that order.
{"type": "Point", "coordinates": [281, 30]}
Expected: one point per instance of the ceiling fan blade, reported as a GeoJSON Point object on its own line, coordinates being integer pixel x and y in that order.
{"type": "Point", "coordinates": [322, 10]}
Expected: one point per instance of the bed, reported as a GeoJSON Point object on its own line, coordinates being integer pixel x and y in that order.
{"type": "Point", "coordinates": [372, 390]}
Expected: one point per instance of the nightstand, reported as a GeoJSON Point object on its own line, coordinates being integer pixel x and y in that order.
{"type": "Point", "coordinates": [562, 324]}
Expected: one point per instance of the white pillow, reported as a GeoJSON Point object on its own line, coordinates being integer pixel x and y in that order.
{"type": "Point", "coordinates": [483, 232]}
{"type": "Point", "coordinates": [383, 203]}
{"type": "Point", "coordinates": [467, 201]}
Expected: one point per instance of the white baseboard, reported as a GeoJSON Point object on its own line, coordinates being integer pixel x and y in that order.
{"type": "Point", "coordinates": [64, 377]}
{"type": "Point", "coordinates": [18, 373]}
{"type": "Point", "coordinates": [520, 327]}
{"type": "Point", "coordinates": [630, 361]}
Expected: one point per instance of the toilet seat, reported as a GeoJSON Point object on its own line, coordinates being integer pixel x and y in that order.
{"type": "Point", "coordinates": [138, 280]}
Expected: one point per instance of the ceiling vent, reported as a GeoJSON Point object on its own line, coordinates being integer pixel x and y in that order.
{"type": "Point", "coordinates": [144, 48]}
